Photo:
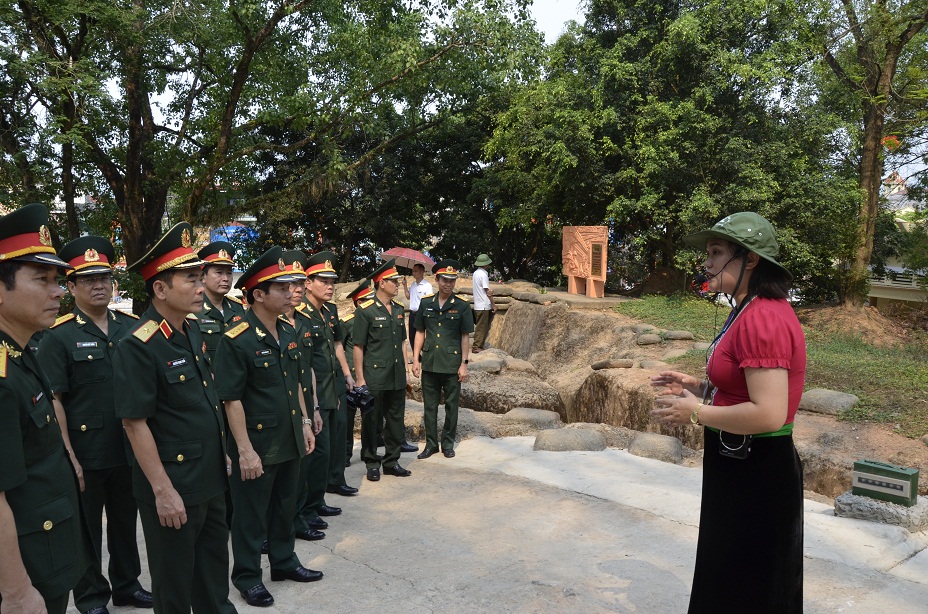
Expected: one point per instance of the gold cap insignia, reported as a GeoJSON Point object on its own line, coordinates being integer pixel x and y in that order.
{"type": "Point", "coordinates": [185, 238]}
{"type": "Point", "coordinates": [91, 255]}
{"type": "Point", "coordinates": [281, 265]}
{"type": "Point", "coordinates": [328, 264]}
{"type": "Point", "coordinates": [451, 269]}
{"type": "Point", "coordinates": [224, 254]}
{"type": "Point", "coordinates": [297, 266]}
{"type": "Point", "coordinates": [45, 237]}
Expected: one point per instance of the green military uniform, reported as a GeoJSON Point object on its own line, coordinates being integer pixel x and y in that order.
{"type": "Point", "coordinates": [382, 332]}
{"type": "Point", "coordinates": [265, 376]}
{"type": "Point", "coordinates": [77, 357]}
{"type": "Point", "coordinates": [444, 325]}
{"type": "Point", "coordinates": [213, 322]}
{"type": "Point", "coordinates": [361, 292]}
{"type": "Point", "coordinates": [37, 480]}
{"type": "Point", "coordinates": [171, 387]}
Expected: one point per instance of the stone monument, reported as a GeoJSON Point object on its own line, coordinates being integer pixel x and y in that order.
{"type": "Point", "coordinates": [584, 257]}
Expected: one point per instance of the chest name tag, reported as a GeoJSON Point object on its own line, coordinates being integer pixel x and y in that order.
{"type": "Point", "coordinates": [452, 311]}
{"type": "Point", "coordinates": [380, 318]}
{"type": "Point", "coordinates": [86, 344]}
{"type": "Point", "coordinates": [177, 363]}
{"type": "Point", "coordinates": [37, 398]}
{"type": "Point", "coordinates": [207, 321]}
{"type": "Point", "coordinates": [263, 352]}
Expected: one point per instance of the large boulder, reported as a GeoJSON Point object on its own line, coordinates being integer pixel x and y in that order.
{"type": "Point", "coordinates": [501, 393]}
{"type": "Point", "coordinates": [536, 418]}
{"type": "Point", "coordinates": [659, 447]}
{"type": "Point", "coordinates": [824, 401]}
{"type": "Point", "coordinates": [566, 440]}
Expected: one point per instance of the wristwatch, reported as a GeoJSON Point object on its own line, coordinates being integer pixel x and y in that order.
{"type": "Point", "coordinates": [307, 421]}
{"type": "Point", "coordinates": [466, 361]}
{"type": "Point", "coordinates": [694, 417]}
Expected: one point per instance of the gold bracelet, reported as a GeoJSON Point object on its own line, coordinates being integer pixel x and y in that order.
{"type": "Point", "coordinates": [694, 417]}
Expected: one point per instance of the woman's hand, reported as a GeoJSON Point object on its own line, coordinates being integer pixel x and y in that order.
{"type": "Point", "coordinates": [675, 383]}
{"type": "Point", "coordinates": [675, 409]}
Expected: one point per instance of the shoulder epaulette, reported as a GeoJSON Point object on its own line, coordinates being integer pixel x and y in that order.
{"type": "Point", "coordinates": [128, 315]}
{"type": "Point", "coordinates": [232, 333]}
{"type": "Point", "coordinates": [193, 316]}
{"type": "Point", "coordinates": [348, 317]}
{"type": "Point", "coordinates": [301, 307]}
{"type": "Point", "coordinates": [328, 308]}
{"type": "Point", "coordinates": [429, 295]}
{"type": "Point", "coordinates": [366, 303]}
{"type": "Point", "coordinates": [234, 299]}
{"type": "Point", "coordinates": [3, 359]}
{"type": "Point", "coordinates": [62, 320]}
{"type": "Point", "coordinates": [146, 331]}
{"type": "Point", "coordinates": [396, 302]}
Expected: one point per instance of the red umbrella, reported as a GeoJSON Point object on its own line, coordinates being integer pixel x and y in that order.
{"type": "Point", "coordinates": [406, 257]}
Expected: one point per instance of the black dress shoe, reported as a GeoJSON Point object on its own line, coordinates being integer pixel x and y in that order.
{"type": "Point", "coordinates": [448, 453]}
{"type": "Point", "coordinates": [427, 453]}
{"type": "Point", "coordinates": [310, 535]}
{"type": "Point", "coordinates": [343, 490]}
{"type": "Point", "coordinates": [264, 547]}
{"type": "Point", "coordinates": [328, 510]}
{"type": "Point", "coordinates": [139, 599]}
{"type": "Point", "coordinates": [300, 574]}
{"type": "Point", "coordinates": [397, 471]}
{"type": "Point", "coordinates": [373, 474]}
{"type": "Point", "coordinates": [318, 523]}
{"type": "Point", "coordinates": [100, 609]}
{"type": "Point", "coordinates": [348, 463]}
{"type": "Point", "coordinates": [257, 596]}
{"type": "Point", "coordinates": [408, 447]}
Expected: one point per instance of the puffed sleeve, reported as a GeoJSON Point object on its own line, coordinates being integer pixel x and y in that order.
{"type": "Point", "coordinates": [765, 340]}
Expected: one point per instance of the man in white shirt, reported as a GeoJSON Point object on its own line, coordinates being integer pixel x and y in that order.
{"type": "Point", "coordinates": [484, 307]}
{"type": "Point", "coordinates": [414, 293]}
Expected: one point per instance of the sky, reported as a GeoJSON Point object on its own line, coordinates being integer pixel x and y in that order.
{"type": "Point", "coordinates": [550, 16]}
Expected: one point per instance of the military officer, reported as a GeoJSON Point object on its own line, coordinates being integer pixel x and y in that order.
{"type": "Point", "coordinates": [221, 311]}
{"type": "Point", "coordinates": [260, 385]}
{"type": "Point", "coordinates": [361, 293]}
{"type": "Point", "coordinates": [42, 549]}
{"type": "Point", "coordinates": [319, 318]}
{"type": "Point", "coordinates": [77, 356]}
{"type": "Point", "coordinates": [440, 354]}
{"type": "Point", "coordinates": [174, 422]}
{"type": "Point", "coordinates": [380, 362]}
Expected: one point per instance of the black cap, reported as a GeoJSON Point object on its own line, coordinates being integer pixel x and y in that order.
{"type": "Point", "coordinates": [364, 290]}
{"type": "Point", "coordinates": [172, 251]}
{"type": "Point", "coordinates": [89, 255]}
{"type": "Point", "coordinates": [320, 264]}
{"type": "Point", "coordinates": [447, 268]}
{"type": "Point", "coordinates": [218, 253]}
{"type": "Point", "coordinates": [24, 237]}
{"type": "Point", "coordinates": [387, 270]}
{"type": "Point", "coordinates": [269, 266]}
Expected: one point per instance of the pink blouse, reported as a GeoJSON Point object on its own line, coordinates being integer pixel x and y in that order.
{"type": "Point", "coordinates": [766, 335]}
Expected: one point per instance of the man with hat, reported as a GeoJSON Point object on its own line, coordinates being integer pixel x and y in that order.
{"type": "Point", "coordinates": [77, 357]}
{"type": "Point", "coordinates": [259, 360]}
{"type": "Point", "coordinates": [317, 317]}
{"type": "Point", "coordinates": [380, 362]}
{"type": "Point", "coordinates": [174, 421]}
{"type": "Point", "coordinates": [221, 311]}
{"type": "Point", "coordinates": [362, 292]}
{"type": "Point", "coordinates": [484, 306]}
{"type": "Point", "coordinates": [440, 353]}
{"type": "Point", "coordinates": [42, 548]}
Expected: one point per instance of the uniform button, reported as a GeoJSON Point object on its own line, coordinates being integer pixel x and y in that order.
{"type": "Point", "coordinates": [83, 427]}
{"type": "Point", "coordinates": [111, 344]}
{"type": "Point", "coordinates": [293, 412]}
{"type": "Point", "coordinates": [265, 365]}
{"type": "Point", "coordinates": [47, 525]}
{"type": "Point", "coordinates": [436, 347]}
{"type": "Point", "coordinates": [455, 351]}
{"type": "Point", "coordinates": [196, 358]}
{"type": "Point", "coordinates": [438, 335]}
{"type": "Point", "coordinates": [260, 426]}
{"type": "Point", "coordinates": [290, 392]}
{"type": "Point", "coordinates": [89, 356]}
{"type": "Point", "coordinates": [222, 433]}
{"type": "Point", "coordinates": [183, 378]}
{"type": "Point", "coordinates": [439, 323]}
{"type": "Point", "coordinates": [48, 419]}
{"type": "Point", "coordinates": [285, 374]}
{"type": "Point", "coordinates": [375, 365]}
{"type": "Point", "coordinates": [180, 458]}
{"type": "Point", "coordinates": [209, 332]}
{"type": "Point", "coordinates": [204, 384]}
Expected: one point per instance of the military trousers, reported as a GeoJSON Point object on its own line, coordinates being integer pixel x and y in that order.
{"type": "Point", "coordinates": [390, 410]}
{"type": "Point", "coordinates": [433, 385]}
{"type": "Point", "coordinates": [351, 416]}
{"type": "Point", "coordinates": [482, 321]}
{"type": "Point", "coordinates": [189, 566]}
{"type": "Point", "coordinates": [264, 509]}
{"type": "Point", "coordinates": [337, 454]}
{"type": "Point", "coordinates": [110, 489]}
{"type": "Point", "coordinates": [314, 474]}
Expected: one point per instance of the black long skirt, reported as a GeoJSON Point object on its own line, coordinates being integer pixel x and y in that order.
{"type": "Point", "coordinates": [749, 554]}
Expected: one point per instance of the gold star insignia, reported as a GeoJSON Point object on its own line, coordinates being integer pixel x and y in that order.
{"type": "Point", "coordinates": [13, 352]}
{"type": "Point", "coordinates": [261, 334]}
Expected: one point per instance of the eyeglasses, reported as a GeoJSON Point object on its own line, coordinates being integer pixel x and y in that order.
{"type": "Point", "coordinates": [93, 280]}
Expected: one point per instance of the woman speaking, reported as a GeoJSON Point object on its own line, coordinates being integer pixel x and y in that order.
{"type": "Point", "coordinates": [749, 554]}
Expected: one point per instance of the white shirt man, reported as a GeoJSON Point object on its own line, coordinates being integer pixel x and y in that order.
{"type": "Point", "coordinates": [415, 292]}
{"type": "Point", "coordinates": [484, 307]}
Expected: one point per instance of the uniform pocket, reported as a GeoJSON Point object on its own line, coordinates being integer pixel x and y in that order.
{"type": "Point", "coordinates": [183, 462]}
{"type": "Point", "coordinates": [46, 538]}
{"type": "Point", "coordinates": [184, 387]}
{"type": "Point", "coordinates": [90, 366]}
{"type": "Point", "coordinates": [266, 371]}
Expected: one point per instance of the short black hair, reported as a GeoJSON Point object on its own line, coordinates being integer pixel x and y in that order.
{"type": "Point", "coordinates": [166, 276]}
{"type": "Point", "coordinates": [8, 272]}
{"type": "Point", "coordinates": [419, 265]}
{"type": "Point", "coordinates": [264, 286]}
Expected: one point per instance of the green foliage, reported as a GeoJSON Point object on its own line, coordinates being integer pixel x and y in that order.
{"type": "Point", "coordinates": [679, 312]}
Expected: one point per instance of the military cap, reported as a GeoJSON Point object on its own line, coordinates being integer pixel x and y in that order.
{"type": "Point", "coordinates": [172, 251]}
{"type": "Point", "coordinates": [217, 252]}
{"type": "Point", "coordinates": [387, 270]}
{"type": "Point", "coordinates": [269, 266]}
{"type": "Point", "coordinates": [483, 260]}
{"type": "Point", "coordinates": [364, 290]}
{"type": "Point", "coordinates": [89, 255]}
{"type": "Point", "coordinates": [296, 261]}
{"type": "Point", "coordinates": [24, 237]}
{"type": "Point", "coordinates": [447, 268]}
{"type": "Point", "coordinates": [320, 264]}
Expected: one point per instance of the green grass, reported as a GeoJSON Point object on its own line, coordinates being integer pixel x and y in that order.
{"type": "Point", "coordinates": [892, 383]}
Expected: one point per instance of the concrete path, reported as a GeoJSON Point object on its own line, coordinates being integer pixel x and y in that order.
{"type": "Point", "coordinates": [501, 528]}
